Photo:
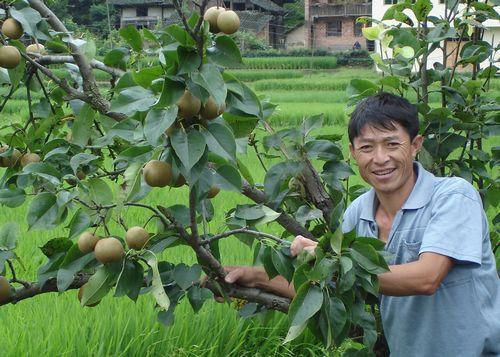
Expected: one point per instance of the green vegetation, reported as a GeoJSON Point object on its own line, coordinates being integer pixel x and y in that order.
{"type": "Point", "coordinates": [327, 62]}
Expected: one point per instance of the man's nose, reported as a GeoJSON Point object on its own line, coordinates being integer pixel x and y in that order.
{"type": "Point", "coordinates": [380, 155]}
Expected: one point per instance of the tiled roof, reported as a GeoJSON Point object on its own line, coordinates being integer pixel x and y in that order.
{"type": "Point", "coordinates": [253, 21]}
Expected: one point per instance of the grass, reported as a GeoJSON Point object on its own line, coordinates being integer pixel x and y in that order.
{"type": "Point", "coordinates": [325, 62]}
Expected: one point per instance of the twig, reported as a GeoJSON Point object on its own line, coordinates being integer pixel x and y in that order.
{"type": "Point", "coordinates": [247, 231]}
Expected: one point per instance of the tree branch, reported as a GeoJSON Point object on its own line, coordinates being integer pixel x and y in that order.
{"type": "Point", "coordinates": [247, 231]}
{"type": "Point", "coordinates": [285, 220]}
{"type": "Point", "coordinates": [47, 60]}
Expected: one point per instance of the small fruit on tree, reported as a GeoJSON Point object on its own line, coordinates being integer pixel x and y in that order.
{"type": "Point", "coordinates": [180, 181]}
{"type": "Point", "coordinates": [211, 110]}
{"type": "Point", "coordinates": [80, 296]}
{"type": "Point", "coordinates": [11, 161]}
{"type": "Point", "coordinates": [35, 48]}
{"type": "Point", "coordinates": [157, 173]}
{"type": "Point", "coordinates": [189, 105]}
{"type": "Point", "coordinates": [9, 57]}
{"type": "Point", "coordinates": [109, 250]}
{"type": "Point", "coordinates": [211, 15]}
{"type": "Point", "coordinates": [228, 22]}
{"type": "Point", "coordinates": [214, 191]}
{"type": "Point", "coordinates": [12, 29]}
{"type": "Point", "coordinates": [5, 289]}
{"type": "Point", "coordinates": [29, 158]}
{"type": "Point", "coordinates": [87, 242]}
{"type": "Point", "coordinates": [136, 237]}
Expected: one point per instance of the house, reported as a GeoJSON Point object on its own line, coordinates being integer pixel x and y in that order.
{"type": "Point", "coordinates": [295, 37]}
{"type": "Point", "coordinates": [331, 24]}
{"type": "Point", "coordinates": [264, 18]}
{"type": "Point", "coordinates": [491, 30]}
{"type": "Point", "coordinates": [144, 13]}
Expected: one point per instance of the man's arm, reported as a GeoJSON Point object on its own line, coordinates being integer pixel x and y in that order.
{"type": "Point", "coordinates": [421, 277]}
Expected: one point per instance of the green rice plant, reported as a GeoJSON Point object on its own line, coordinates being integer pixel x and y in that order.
{"type": "Point", "coordinates": [255, 75]}
{"type": "Point", "coordinates": [327, 62]}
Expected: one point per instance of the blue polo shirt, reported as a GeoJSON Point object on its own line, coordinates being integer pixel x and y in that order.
{"type": "Point", "coordinates": [444, 216]}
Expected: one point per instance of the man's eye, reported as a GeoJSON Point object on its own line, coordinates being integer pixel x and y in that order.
{"type": "Point", "coordinates": [365, 148]}
{"type": "Point", "coordinates": [393, 144]}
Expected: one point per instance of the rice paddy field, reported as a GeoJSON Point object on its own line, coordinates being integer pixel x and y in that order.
{"type": "Point", "coordinates": [56, 325]}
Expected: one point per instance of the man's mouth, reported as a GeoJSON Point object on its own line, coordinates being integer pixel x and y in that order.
{"type": "Point", "coordinates": [384, 172]}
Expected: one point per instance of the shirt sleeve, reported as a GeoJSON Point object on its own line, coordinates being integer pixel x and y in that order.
{"type": "Point", "coordinates": [455, 228]}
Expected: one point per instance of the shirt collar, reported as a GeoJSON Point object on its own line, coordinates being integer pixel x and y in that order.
{"type": "Point", "coordinates": [419, 196]}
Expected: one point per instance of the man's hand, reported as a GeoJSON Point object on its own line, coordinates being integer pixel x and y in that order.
{"type": "Point", "coordinates": [302, 243]}
{"type": "Point", "coordinates": [247, 276]}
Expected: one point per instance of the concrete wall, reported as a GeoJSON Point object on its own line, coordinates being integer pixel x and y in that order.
{"type": "Point", "coordinates": [337, 43]}
{"type": "Point", "coordinates": [296, 37]}
{"type": "Point", "coordinates": [154, 11]}
{"type": "Point", "coordinates": [128, 12]}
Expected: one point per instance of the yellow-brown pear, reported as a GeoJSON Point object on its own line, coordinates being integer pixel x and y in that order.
{"type": "Point", "coordinates": [228, 22]}
{"type": "Point", "coordinates": [136, 237]}
{"type": "Point", "coordinates": [36, 48]}
{"type": "Point", "coordinates": [87, 242]}
{"type": "Point", "coordinates": [109, 250]}
{"type": "Point", "coordinates": [5, 289]}
{"type": "Point", "coordinates": [211, 110]}
{"type": "Point", "coordinates": [211, 15]}
{"type": "Point", "coordinates": [157, 173]}
{"type": "Point", "coordinates": [9, 57]}
{"type": "Point", "coordinates": [214, 191]}
{"type": "Point", "coordinates": [28, 158]}
{"type": "Point", "coordinates": [189, 105]}
{"type": "Point", "coordinates": [12, 29]}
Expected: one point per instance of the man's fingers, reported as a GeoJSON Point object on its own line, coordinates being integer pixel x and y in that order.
{"type": "Point", "coordinates": [233, 276]}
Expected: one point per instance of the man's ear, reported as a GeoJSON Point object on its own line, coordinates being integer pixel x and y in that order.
{"type": "Point", "coordinates": [416, 144]}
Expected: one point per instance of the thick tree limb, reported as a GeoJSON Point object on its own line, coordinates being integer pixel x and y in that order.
{"type": "Point", "coordinates": [50, 286]}
{"type": "Point", "coordinates": [47, 60]}
{"type": "Point", "coordinates": [269, 300]}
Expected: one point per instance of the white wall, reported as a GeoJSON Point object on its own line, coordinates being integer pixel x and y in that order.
{"type": "Point", "coordinates": [128, 12]}
{"type": "Point", "coordinates": [154, 11]}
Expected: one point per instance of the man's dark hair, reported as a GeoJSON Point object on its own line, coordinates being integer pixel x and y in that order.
{"type": "Point", "coordinates": [382, 111]}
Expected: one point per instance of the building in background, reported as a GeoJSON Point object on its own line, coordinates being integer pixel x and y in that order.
{"type": "Point", "coordinates": [264, 18]}
{"type": "Point", "coordinates": [331, 24]}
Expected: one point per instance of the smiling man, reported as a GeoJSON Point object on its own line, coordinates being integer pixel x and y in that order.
{"type": "Point", "coordinates": [441, 296]}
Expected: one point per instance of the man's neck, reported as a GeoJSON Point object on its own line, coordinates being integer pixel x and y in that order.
{"type": "Point", "coordinates": [391, 203]}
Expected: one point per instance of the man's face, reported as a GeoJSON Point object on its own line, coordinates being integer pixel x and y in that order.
{"type": "Point", "coordinates": [385, 157]}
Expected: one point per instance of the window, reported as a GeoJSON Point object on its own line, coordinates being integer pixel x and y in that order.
{"type": "Point", "coordinates": [390, 2]}
{"type": "Point", "coordinates": [141, 11]}
{"type": "Point", "coordinates": [357, 28]}
{"type": "Point", "coordinates": [334, 28]}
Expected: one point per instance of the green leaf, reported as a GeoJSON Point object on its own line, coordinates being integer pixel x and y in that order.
{"type": "Point", "coordinates": [336, 240]}
{"type": "Point", "coordinates": [45, 171]}
{"type": "Point", "coordinates": [277, 175]}
{"type": "Point", "coordinates": [79, 223]}
{"type": "Point", "coordinates": [73, 262]}
{"type": "Point", "coordinates": [225, 52]}
{"type": "Point", "coordinates": [306, 303]}
{"type": "Point", "coordinates": [189, 59]}
{"type": "Point", "coordinates": [170, 94]}
{"type": "Point", "coordinates": [367, 257]}
{"type": "Point", "coordinates": [29, 18]}
{"type": "Point", "coordinates": [100, 192]}
{"type": "Point", "coordinates": [421, 9]}
{"type": "Point", "coordinates": [338, 314]}
{"type": "Point", "coordinates": [210, 78]}
{"type": "Point", "coordinates": [12, 197]}
{"type": "Point", "coordinates": [130, 280]}
{"type": "Point", "coordinates": [361, 88]}
{"type": "Point", "coordinates": [99, 285]}
{"type": "Point", "coordinates": [132, 100]}
{"type": "Point", "coordinates": [185, 276]}
{"type": "Point", "coordinates": [8, 235]}
{"type": "Point", "coordinates": [117, 58]}
{"type": "Point", "coordinates": [228, 178]}
{"type": "Point", "coordinates": [147, 75]}
{"type": "Point", "coordinates": [157, 121]}
{"type": "Point", "coordinates": [220, 141]}
{"type": "Point", "coordinates": [283, 264]}
{"type": "Point", "coordinates": [188, 147]}
{"type": "Point", "coordinates": [132, 36]}
{"type": "Point", "coordinates": [197, 296]}
{"type": "Point", "coordinates": [81, 159]}
{"type": "Point", "coordinates": [158, 291]}
{"type": "Point", "coordinates": [43, 212]}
